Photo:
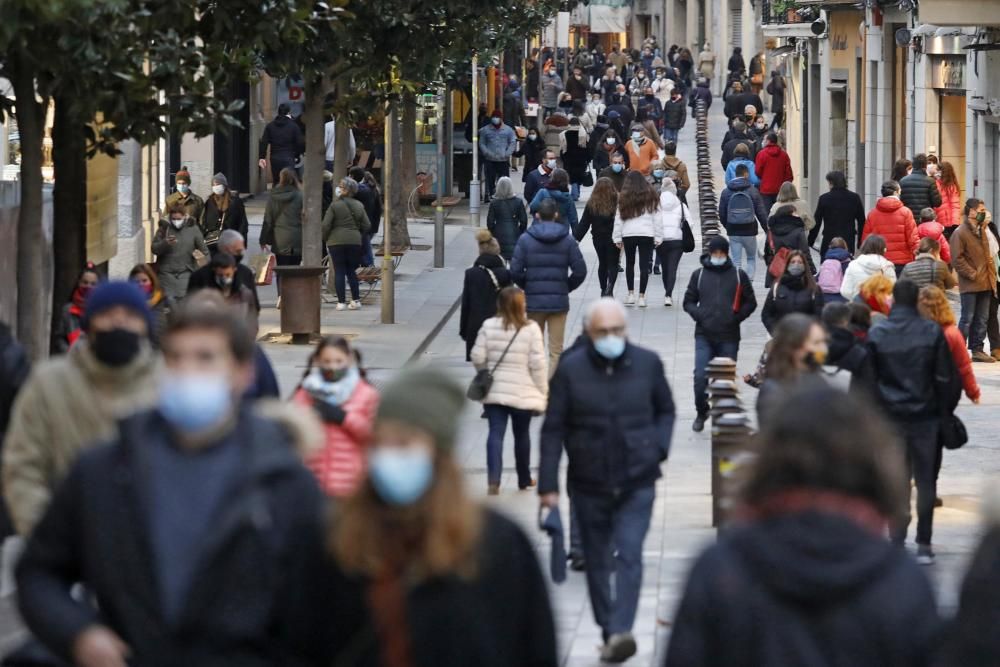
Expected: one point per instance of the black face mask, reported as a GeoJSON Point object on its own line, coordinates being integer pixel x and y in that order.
{"type": "Point", "coordinates": [116, 347]}
{"type": "Point", "coordinates": [238, 258]}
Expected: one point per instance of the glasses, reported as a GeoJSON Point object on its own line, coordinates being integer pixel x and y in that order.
{"type": "Point", "coordinates": [608, 331]}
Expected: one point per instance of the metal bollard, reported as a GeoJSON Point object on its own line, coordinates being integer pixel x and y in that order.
{"type": "Point", "coordinates": [730, 432]}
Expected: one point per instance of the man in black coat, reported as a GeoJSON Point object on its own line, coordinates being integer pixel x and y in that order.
{"type": "Point", "coordinates": [186, 530]}
{"type": "Point", "coordinates": [231, 242]}
{"type": "Point", "coordinates": [918, 190]}
{"type": "Point", "coordinates": [918, 385]}
{"type": "Point", "coordinates": [718, 298]}
{"type": "Point", "coordinates": [286, 140]}
{"type": "Point", "coordinates": [839, 212]}
{"type": "Point", "coordinates": [738, 134]}
{"type": "Point", "coordinates": [674, 116]}
{"type": "Point", "coordinates": [610, 404]}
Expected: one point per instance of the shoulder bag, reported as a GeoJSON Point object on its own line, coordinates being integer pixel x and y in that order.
{"type": "Point", "coordinates": [953, 433]}
{"type": "Point", "coordinates": [480, 386]}
{"type": "Point", "coordinates": [687, 235]}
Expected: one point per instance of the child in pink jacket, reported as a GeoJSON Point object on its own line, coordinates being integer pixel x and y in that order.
{"type": "Point", "coordinates": [929, 227]}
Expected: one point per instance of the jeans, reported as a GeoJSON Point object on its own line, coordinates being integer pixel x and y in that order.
{"type": "Point", "coordinates": [769, 200]}
{"type": "Point", "coordinates": [575, 541]}
{"type": "Point", "coordinates": [493, 171]}
{"type": "Point", "coordinates": [284, 260]}
{"type": "Point", "coordinates": [346, 260]}
{"type": "Point", "coordinates": [644, 244]}
{"type": "Point", "coordinates": [975, 313]}
{"type": "Point", "coordinates": [607, 264]}
{"type": "Point", "coordinates": [670, 252]}
{"type": "Point", "coordinates": [921, 442]}
{"type": "Point", "coordinates": [521, 420]}
{"type": "Point", "coordinates": [613, 528]}
{"type": "Point", "coordinates": [778, 120]}
{"type": "Point", "coordinates": [670, 135]}
{"type": "Point", "coordinates": [556, 323]}
{"type": "Point", "coordinates": [704, 351]}
{"type": "Point", "coordinates": [574, 191]}
{"type": "Point", "coordinates": [367, 256]}
{"type": "Point", "coordinates": [744, 245]}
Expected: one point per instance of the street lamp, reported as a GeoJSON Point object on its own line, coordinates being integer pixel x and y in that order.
{"type": "Point", "coordinates": [474, 183]}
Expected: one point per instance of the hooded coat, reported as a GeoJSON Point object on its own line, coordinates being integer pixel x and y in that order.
{"type": "Point", "coordinates": [548, 265]}
{"type": "Point", "coordinates": [932, 229]}
{"type": "Point", "coordinates": [282, 228]}
{"type": "Point", "coordinates": [69, 404]}
{"type": "Point", "coordinates": [891, 220]}
{"type": "Point", "coordinates": [567, 207]}
{"type": "Point", "coordinates": [790, 295]}
{"type": "Point", "coordinates": [863, 268]}
{"type": "Point", "coordinates": [718, 299]}
{"type": "Point", "coordinates": [804, 588]}
{"type": "Point", "coordinates": [786, 231]}
{"type": "Point", "coordinates": [174, 249]}
{"type": "Point", "coordinates": [507, 220]}
{"type": "Point", "coordinates": [773, 168]}
{"type": "Point", "coordinates": [479, 296]}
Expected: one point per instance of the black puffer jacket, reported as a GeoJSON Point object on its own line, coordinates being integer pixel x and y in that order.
{"type": "Point", "coordinates": [674, 114]}
{"type": "Point", "coordinates": [285, 138]}
{"type": "Point", "coordinates": [917, 378]}
{"type": "Point", "coordinates": [479, 297]}
{"type": "Point", "coordinates": [790, 295]}
{"type": "Point", "coordinates": [805, 588]}
{"type": "Point", "coordinates": [616, 419]}
{"type": "Point", "coordinates": [711, 300]}
{"type": "Point", "coordinates": [919, 191]}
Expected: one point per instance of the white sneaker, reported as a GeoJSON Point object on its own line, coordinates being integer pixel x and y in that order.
{"type": "Point", "coordinates": [630, 299]}
{"type": "Point", "coordinates": [667, 301]}
{"type": "Point", "coordinates": [642, 301]}
{"type": "Point", "coordinates": [354, 305]}
{"type": "Point", "coordinates": [341, 306]}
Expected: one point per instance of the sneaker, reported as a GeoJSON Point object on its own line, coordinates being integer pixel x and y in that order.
{"type": "Point", "coordinates": [925, 555]}
{"type": "Point", "coordinates": [982, 357]}
{"type": "Point", "coordinates": [656, 270]}
{"type": "Point", "coordinates": [341, 306]}
{"type": "Point", "coordinates": [667, 301]}
{"type": "Point", "coordinates": [354, 305]}
{"type": "Point", "coordinates": [619, 648]}
{"type": "Point", "coordinates": [530, 485]}
{"type": "Point", "coordinates": [578, 564]}
{"type": "Point", "coordinates": [938, 502]}
{"type": "Point", "coordinates": [621, 269]}
{"type": "Point", "coordinates": [493, 490]}
{"type": "Point", "coordinates": [642, 301]}
{"type": "Point", "coordinates": [699, 424]}
{"type": "Point", "coordinates": [630, 299]}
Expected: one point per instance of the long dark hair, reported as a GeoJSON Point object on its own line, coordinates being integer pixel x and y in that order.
{"type": "Point", "coordinates": [899, 169]}
{"type": "Point", "coordinates": [807, 278]}
{"type": "Point", "coordinates": [948, 176]}
{"type": "Point", "coordinates": [604, 199]}
{"type": "Point", "coordinates": [637, 197]}
{"type": "Point", "coordinates": [340, 343]}
{"type": "Point", "coordinates": [790, 335]}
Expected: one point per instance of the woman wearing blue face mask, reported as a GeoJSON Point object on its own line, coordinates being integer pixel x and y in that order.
{"type": "Point", "coordinates": [610, 145]}
{"type": "Point", "coordinates": [422, 575]}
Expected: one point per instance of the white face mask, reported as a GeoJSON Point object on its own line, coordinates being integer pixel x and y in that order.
{"type": "Point", "coordinates": [177, 223]}
{"type": "Point", "coordinates": [551, 164]}
{"type": "Point", "coordinates": [218, 190]}
{"type": "Point", "coordinates": [338, 191]}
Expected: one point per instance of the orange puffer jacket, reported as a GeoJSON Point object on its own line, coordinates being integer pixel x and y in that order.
{"type": "Point", "coordinates": [935, 230]}
{"type": "Point", "coordinates": [891, 220]}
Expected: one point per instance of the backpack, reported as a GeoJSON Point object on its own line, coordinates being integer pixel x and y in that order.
{"type": "Point", "coordinates": [830, 276]}
{"type": "Point", "coordinates": [741, 210]}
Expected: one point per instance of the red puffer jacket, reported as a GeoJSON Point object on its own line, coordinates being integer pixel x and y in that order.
{"type": "Point", "coordinates": [340, 465]}
{"type": "Point", "coordinates": [949, 213]}
{"type": "Point", "coordinates": [935, 230]}
{"type": "Point", "coordinates": [891, 220]}
{"type": "Point", "coordinates": [773, 167]}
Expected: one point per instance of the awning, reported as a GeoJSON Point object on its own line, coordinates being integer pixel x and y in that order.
{"type": "Point", "coordinates": [981, 13]}
{"type": "Point", "coordinates": [609, 19]}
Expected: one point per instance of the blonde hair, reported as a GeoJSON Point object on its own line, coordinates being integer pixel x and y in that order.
{"type": "Point", "coordinates": [436, 536]}
{"type": "Point", "coordinates": [877, 286]}
{"type": "Point", "coordinates": [933, 305]}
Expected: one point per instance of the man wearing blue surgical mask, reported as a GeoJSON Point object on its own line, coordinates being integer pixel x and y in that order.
{"type": "Point", "coordinates": [719, 297]}
{"type": "Point", "coordinates": [611, 406]}
{"type": "Point", "coordinates": [183, 197]}
{"type": "Point", "coordinates": [198, 508]}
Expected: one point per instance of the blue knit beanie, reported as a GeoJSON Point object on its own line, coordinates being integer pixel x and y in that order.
{"type": "Point", "coordinates": [116, 293]}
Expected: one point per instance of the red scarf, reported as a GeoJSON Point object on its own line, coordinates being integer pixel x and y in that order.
{"type": "Point", "coordinates": [795, 501]}
{"type": "Point", "coordinates": [876, 305]}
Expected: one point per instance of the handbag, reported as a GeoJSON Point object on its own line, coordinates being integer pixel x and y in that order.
{"type": "Point", "coordinates": [687, 235]}
{"type": "Point", "coordinates": [480, 386]}
{"type": "Point", "coordinates": [757, 79]}
{"type": "Point", "coordinates": [953, 434]}
{"type": "Point", "coordinates": [588, 179]}
{"type": "Point", "coordinates": [779, 259]}
{"type": "Point", "coordinates": [262, 266]}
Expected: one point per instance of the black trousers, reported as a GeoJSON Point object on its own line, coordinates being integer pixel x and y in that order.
{"type": "Point", "coordinates": [644, 244]}
{"type": "Point", "coordinates": [277, 164]}
{"type": "Point", "coordinates": [493, 171]}
{"type": "Point", "coordinates": [993, 325]}
{"type": "Point", "coordinates": [607, 264]}
{"type": "Point", "coordinates": [920, 439]}
{"type": "Point", "coordinates": [670, 253]}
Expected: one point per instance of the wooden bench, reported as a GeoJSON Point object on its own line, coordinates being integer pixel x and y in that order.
{"type": "Point", "coordinates": [369, 276]}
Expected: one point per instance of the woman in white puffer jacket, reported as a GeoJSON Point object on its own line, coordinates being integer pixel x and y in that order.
{"type": "Point", "coordinates": [671, 250]}
{"type": "Point", "coordinates": [638, 226]}
{"type": "Point", "coordinates": [870, 260]}
{"type": "Point", "coordinates": [520, 383]}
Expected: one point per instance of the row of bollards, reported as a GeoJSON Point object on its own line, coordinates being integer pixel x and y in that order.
{"type": "Point", "coordinates": [707, 204]}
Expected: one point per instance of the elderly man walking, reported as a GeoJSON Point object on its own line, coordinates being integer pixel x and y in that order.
{"type": "Point", "coordinates": [611, 407]}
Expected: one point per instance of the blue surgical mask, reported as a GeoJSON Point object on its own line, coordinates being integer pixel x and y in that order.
{"type": "Point", "coordinates": [610, 347]}
{"type": "Point", "coordinates": [400, 475]}
{"type": "Point", "coordinates": [610, 141]}
{"type": "Point", "coordinates": [658, 173]}
{"type": "Point", "coordinates": [495, 120]}
{"type": "Point", "coordinates": [718, 261]}
{"type": "Point", "coordinates": [636, 136]}
{"type": "Point", "coordinates": [182, 187]}
{"type": "Point", "coordinates": [617, 168]}
{"type": "Point", "coordinates": [192, 403]}
{"type": "Point", "coordinates": [796, 270]}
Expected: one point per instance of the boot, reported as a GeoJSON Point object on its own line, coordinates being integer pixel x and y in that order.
{"type": "Point", "coordinates": [995, 354]}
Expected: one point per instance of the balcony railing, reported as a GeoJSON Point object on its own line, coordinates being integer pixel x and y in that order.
{"type": "Point", "coordinates": [778, 12]}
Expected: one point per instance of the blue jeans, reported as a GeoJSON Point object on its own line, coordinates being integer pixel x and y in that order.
{"type": "Point", "coordinates": [613, 528]}
{"type": "Point", "coordinates": [744, 245]}
{"type": "Point", "coordinates": [574, 191]}
{"type": "Point", "coordinates": [346, 260]}
{"type": "Point", "coordinates": [704, 351]}
{"type": "Point", "coordinates": [670, 135]}
{"type": "Point", "coordinates": [972, 322]}
{"type": "Point", "coordinates": [367, 257]}
{"type": "Point", "coordinates": [521, 419]}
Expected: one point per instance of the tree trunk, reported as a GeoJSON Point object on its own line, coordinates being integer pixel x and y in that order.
{"type": "Point", "coordinates": [31, 327]}
{"type": "Point", "coordinates": [398, 193]}
{"type": "Point", "coordinates": [408, 160]}
{"type": "Point", "coordinates": [69, 206]}
{"type": "Point", "coordinates": [315, 158]}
